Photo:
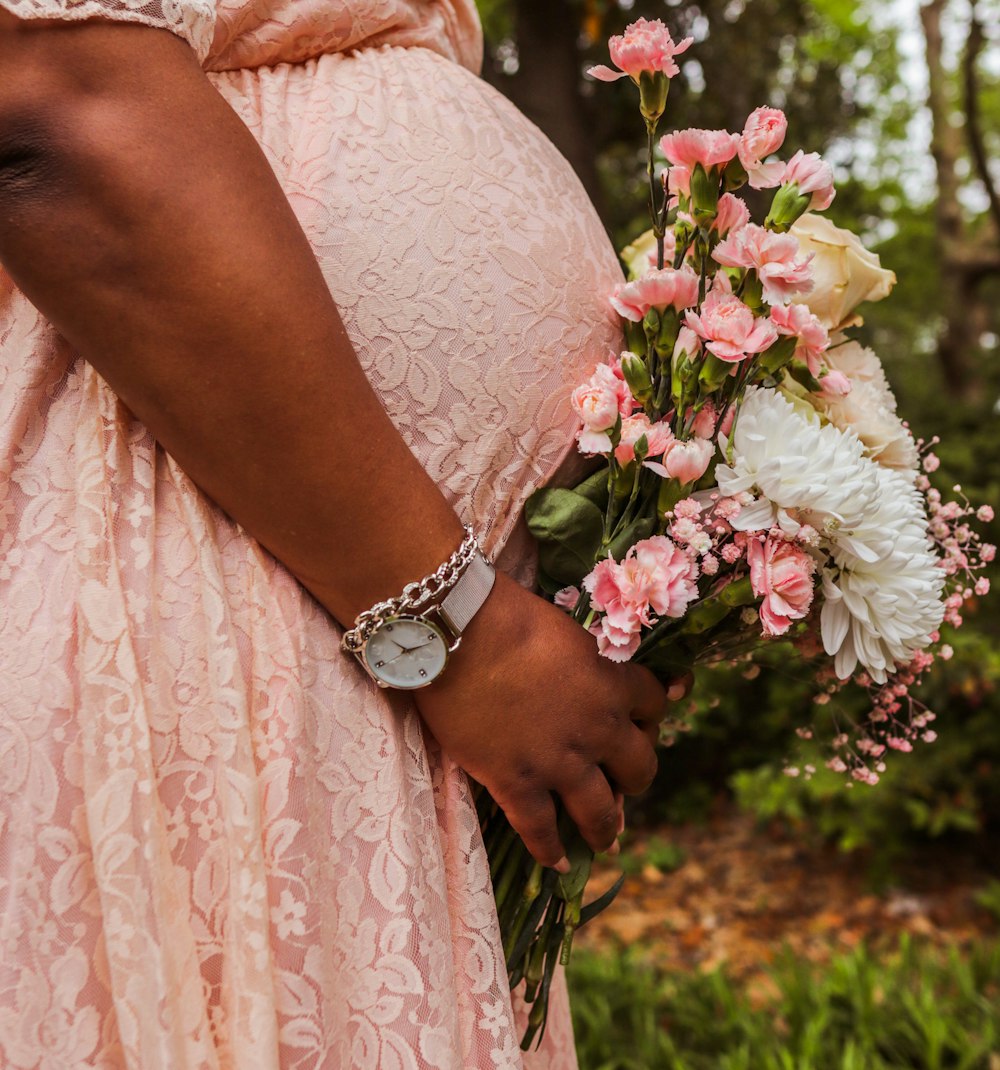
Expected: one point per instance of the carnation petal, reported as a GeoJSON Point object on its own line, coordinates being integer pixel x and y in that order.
{"type": "Point", "coordinates": [604, 74]}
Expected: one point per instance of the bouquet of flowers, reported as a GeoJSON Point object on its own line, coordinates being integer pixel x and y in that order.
{"type": "Point", "coordinates": [754, 479]}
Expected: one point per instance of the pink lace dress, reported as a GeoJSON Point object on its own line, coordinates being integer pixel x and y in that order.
{"type": "Point", "coordinates": [220, 845]}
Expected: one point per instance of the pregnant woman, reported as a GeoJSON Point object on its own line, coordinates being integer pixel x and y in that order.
{"type": "Point", "coordinates": [288, 296]}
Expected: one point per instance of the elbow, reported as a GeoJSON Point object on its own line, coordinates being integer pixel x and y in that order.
{"type": "Point", "coordinates": [28, 156]}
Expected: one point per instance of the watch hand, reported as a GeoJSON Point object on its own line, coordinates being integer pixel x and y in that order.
{"type": "Point", "coordinates": [407, 650]}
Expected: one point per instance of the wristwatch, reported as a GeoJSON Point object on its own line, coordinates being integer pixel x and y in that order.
{"type": "Point", "coordinates": [405, 642]}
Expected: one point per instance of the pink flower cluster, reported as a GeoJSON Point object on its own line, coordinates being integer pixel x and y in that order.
{"type": "Point", "coordinates": [772, 257]}
{"type": "Point", "coordinates": [646, 45]}
{"type": "Point", "coordinates": [710, 148]}
{"type": "Point", "coordinates": [783, 575]}
{"type": "Point", "coordinates": [655, 577]}
{"type": "Point", "coordinates": [763, 134]}
{"type": "Point", "coordinates": [729, 329]}
{"type": "Point", "coordinates": [813, 338]}
{"type": "Point", "coordinates": [598, 403]}
{"type": "Point", "coordinates": [657, 289]}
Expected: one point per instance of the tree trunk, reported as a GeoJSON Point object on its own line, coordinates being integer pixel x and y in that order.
{"type": "Point", "coordinates": [546, 86]}
{"type": "Point", "coordinates": [957, 251]}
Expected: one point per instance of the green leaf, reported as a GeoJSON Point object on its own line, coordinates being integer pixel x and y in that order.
{"type": "Point", "coordinates": [668, 659]}
{"type": "Point", "coordinates": [595, 488]}
{"type": "Point", "coordinates": [591, 910]}
{"type": "Point", "coordinates": [569, 529]}
{"type": "Point", "coordinates": [581, 859]}
{"type": "Point", "coordinates": [639, 529]}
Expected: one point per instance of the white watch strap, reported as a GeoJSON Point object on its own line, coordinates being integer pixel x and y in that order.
{"type": "Point", "coordinates": [466, 598]}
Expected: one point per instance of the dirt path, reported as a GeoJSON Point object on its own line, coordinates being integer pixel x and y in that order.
{"type": "Point", "coordinates": [740, 893]}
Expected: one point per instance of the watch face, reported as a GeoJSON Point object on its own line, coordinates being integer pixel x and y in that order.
{"type": "Point", "coordinates": [406, 652]}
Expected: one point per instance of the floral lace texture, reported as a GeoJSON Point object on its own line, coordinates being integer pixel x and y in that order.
{"type": "Point", "coordinates": [220, 844]}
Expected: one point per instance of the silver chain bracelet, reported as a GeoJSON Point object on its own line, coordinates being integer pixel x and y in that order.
{"type": "Point", "coordinates": [415, 596]}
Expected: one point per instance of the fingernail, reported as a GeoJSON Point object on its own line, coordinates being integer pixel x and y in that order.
{"type": "Point", "coordinates": [621, 823]}
{"type": "Point", "coordinates": [614, 850]}
{"type": "Point", "coordinates": [562, 866]}
{"type": "Point", "coordinates": [676, 692]}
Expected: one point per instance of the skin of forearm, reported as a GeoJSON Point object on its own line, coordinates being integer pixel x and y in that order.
{"type": "Point", "coordinates": [140, 216]}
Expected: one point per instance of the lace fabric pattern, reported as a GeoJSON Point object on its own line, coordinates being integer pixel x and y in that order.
{"type": "Point", "coordinates": [220, 844]}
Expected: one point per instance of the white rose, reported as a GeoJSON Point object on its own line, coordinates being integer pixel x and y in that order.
{"type": "Point", "coordinates": [865, 412]}
{"type": "Point", "coordinates": [844, 271]}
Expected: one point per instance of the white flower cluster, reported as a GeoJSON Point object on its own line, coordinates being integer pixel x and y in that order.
{"type": "Point", "coordinates": [869, 409]}
{"type": "Point", "coordinates": [882, 582]}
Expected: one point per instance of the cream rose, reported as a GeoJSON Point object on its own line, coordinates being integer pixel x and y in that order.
{"type": "Point", "coordinates": [845, 273]}
{"type": "Point", "coordinates": [640, 257]}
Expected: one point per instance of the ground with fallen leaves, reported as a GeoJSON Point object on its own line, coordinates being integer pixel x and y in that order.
{"type": "Point", "coordinates": [741, 892]}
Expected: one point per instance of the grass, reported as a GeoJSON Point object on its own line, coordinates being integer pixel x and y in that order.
{"type": "Point", "coordinates": [918, 1008]}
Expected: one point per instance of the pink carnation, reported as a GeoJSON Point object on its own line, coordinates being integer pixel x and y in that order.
{"type": "Point", "coordinates": [710, 148]}
{"type": "Point", "coordinates": [732, 214]}
{"type": "Point", "coordinates": [813, 337]}
{"type": "Point", "coordinates": [685, 462]}
{"type": "Point", "coordinates": [705, 421]}
{"type": "Point", "coordinates": [567, 598]}
{"type": "Point", "coordinates": [730, 330]}
{"type": "Point", "coordinates": [763, 134]}
{"type": "Point", "coordinates": [812, 175]}
{"type": "Point", "coordinates": [688, 461]}
{"type": "Point", "coordinates": [658, 436]}
{"type": "Point", "coordinates": [655, 575]}
{"type": "Point", "coordinates": [678, 183]}
{"type": "Point", "coordinates": [668, 288]}
{"type": "Point", "coordinates": [782, 575]}
{"type": "Point", "coordinates": [835, 384]}
{"type": "Point", "coordinates": [772, 257]}
{"type": "Point", "coordinates": [646, 45]}
{"type": "Point", "coordinates": [598, 403]}
{"type": "Point", "coordinates": [687, 342]}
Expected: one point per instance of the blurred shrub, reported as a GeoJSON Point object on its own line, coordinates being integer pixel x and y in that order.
{"type": "Point", "coordinates": [916, 1009]}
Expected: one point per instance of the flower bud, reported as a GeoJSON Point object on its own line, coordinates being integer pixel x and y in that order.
{"type": "Point", "coordinates": [635, 337]}
{"type": "Point", "coordinates": [752, 293]}
{"type": "Point", "coordinates": [714, 373]}
{"type": "Point", "coordinates": [667, 337]}
{"type": "Point", "coordinates": [735, 175]}
{"type": "Point", "coordinates": [779, 354]}
{"type": "Point", "coordinates": [653, 89]}
{"type": "Point", "coordinates": [704, 193]}
{"type": "Point", "coordinates": [787, 207]}
{"type": "Point", "coordinates": [637, 376]}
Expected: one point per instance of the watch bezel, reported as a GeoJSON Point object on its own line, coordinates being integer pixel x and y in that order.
{"type": "Point", "coordinates": [449, 646]}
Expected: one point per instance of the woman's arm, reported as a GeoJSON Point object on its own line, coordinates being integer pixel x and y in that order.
{"type": "Point", "coordinates": [139, 215]}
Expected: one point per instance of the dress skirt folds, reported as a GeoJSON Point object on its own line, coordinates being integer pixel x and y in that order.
{"type": "Point", "coordinates": [220, 845]}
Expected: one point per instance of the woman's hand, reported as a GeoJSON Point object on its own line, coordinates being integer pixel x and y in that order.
{"type": "Point", "coordinates": [528, 707]}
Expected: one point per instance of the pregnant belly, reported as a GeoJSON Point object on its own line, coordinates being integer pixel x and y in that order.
{"type": "Point", "coordinates": [467, 262]}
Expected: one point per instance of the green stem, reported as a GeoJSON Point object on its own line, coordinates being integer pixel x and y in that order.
{"type": "Point", "coordinates": [651, 175]}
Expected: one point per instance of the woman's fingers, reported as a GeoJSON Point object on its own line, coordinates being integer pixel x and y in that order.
{"type": "Point", "coordinates": [680, 687]}
{"type": "Point", "coordinates": [649, 701]}
{"type": "Point", "coordinates": [533, 817]}
{"type": "Point", "coordinates": [591, 804]}
{"type": "Point", "coordinates": [631, 766]}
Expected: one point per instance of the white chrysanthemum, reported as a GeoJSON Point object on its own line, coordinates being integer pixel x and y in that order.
{"type": "Point", "coordinates": [883, 584]}
{"type": "Point", "coordinates": [800, 471]}
{"type": "Point", "coordinates": [881, 613]}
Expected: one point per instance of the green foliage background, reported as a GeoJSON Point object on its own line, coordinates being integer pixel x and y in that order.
{"type": "Point", "coordinates": [849, 75]}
